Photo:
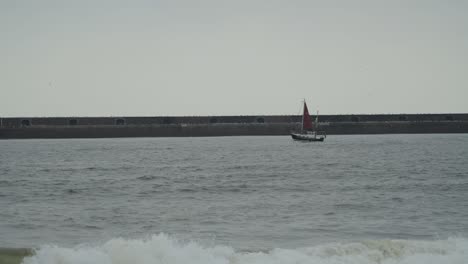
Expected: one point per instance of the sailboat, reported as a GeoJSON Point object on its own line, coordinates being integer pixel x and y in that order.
{"type": "Point", "coordinates": [308, 132]}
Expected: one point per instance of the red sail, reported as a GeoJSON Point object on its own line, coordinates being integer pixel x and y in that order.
{"type": "Point", "coordinates": [306, 120]}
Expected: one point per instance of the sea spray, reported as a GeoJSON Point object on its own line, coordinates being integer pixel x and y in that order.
{"type": "Point", "coordinates": [167, 250]}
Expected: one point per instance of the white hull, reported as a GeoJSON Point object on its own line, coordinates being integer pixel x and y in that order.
{"type": "Point", "coordinates": [307, 137]}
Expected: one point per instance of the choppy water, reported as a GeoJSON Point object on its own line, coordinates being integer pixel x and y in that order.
{"type": "Point", "coordinates": [351, 199]}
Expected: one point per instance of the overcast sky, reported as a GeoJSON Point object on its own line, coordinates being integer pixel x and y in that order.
{"type": "Point", "coordinates": [238, 57]}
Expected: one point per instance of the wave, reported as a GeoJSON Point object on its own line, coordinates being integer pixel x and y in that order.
{"type": "Point", "coordinates": [165, 249]}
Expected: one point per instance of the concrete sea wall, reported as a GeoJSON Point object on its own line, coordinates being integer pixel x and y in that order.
{"type": "Point", "coordinates": [102, 127]}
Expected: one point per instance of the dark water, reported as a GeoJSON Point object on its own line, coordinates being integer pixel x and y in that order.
{"type": "Point", "coordinates": [367, 195]}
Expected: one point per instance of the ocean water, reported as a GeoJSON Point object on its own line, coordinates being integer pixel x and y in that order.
{"type": "Point", "coordinates": [352, 199]}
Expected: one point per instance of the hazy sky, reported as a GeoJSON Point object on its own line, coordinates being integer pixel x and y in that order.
{"type": "Point", "coordinates": [247, 57]}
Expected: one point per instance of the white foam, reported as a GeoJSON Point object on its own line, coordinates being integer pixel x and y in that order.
{"type": "Point", "coordinates": [162, 249]}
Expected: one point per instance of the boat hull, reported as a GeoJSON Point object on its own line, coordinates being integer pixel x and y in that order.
{"type": "Point", "coordinates": [307, 137]}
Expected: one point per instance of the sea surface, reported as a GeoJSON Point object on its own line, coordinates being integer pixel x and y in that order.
{"type": "Point", "coordinates": [235, 200]}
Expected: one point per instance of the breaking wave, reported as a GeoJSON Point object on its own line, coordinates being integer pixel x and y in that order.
{"type": "Point", "coordinates": [167, 250]}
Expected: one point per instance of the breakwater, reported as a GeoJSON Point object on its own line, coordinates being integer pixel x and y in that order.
{"type": "Point", "coordinates": [14, 255]}
{"type": "Point", "coordinates": [186, 126]}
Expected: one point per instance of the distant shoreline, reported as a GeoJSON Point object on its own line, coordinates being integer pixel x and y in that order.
{"type": "Point", "coordinates": [203, 126]}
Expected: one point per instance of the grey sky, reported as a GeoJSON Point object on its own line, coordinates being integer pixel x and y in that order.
{"type": "Point", "coordinates": [248, 57]}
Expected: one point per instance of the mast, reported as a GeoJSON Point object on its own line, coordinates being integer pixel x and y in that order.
{"type": "Point", "coordinates": [316, 124]}
{"type": "Point", "coordinates": [316, 121]}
